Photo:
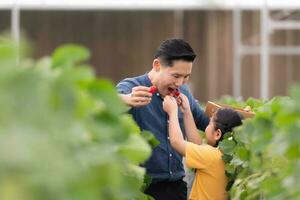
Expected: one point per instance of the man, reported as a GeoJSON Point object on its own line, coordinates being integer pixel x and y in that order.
{"type": "Point", "coordinates": [171, 69]}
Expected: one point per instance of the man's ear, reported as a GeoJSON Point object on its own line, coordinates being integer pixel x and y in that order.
{"type": "Point", "coordinates": [217, 134]}
{"type": "Point", "coordinates": [156, 65]}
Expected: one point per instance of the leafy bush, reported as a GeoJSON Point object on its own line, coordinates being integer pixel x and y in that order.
{"type": "Point", "coordinates": [64, 134]}
{"type": "Point", "coordinates": [262, 156]}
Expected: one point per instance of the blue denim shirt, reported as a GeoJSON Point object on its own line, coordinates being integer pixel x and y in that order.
{"type": "Point", "coordinates": [165, 164]}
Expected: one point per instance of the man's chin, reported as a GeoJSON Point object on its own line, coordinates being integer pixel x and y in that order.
{"type": "Point", "coordinates": [163, 94]}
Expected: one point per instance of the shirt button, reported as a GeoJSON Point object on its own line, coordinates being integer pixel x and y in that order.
{"type": "Point", "coordinates": [170, 172]}
{"type": "Point", "coordinates": [170, 155]}
{"type": "Point", "coordinates": [168, 138]}
{"type": "Point", "coordinates": [157, 94]}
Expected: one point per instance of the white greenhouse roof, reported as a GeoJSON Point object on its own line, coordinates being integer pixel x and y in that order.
{"type": "Point", "coordinates": [149, 4]}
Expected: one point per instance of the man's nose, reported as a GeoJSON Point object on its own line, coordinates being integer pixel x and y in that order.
{"type": "Point", "coordinates": [179, 82]}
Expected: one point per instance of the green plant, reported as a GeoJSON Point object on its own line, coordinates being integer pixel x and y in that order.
{"type": "Point", "coordinates": [262, 155]}
{"type": "Point", "coordinates": [64, 134]}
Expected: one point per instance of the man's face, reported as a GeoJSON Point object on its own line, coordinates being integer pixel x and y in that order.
{"type": "Point", "coordinates": [169, 78]}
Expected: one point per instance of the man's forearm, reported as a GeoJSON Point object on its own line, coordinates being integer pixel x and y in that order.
{"type": "Point", "coordinates": [140, 96]}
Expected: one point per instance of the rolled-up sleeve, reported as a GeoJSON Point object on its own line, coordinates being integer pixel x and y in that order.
{"type": "Point", "coordinates": [125, 86]}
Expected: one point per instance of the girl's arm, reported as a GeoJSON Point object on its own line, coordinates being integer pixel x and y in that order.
{"type": "Point", "coordinates": [191, 130]}
{"type": "Point", "coordinates": [175, 134]}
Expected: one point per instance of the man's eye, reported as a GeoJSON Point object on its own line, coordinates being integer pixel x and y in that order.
{"type": "Point", "coordinates": [175, 76]}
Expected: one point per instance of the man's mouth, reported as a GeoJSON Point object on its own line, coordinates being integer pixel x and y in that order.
{"type": "Point", "coordinates": [173, 92]}
{"type": "Point", "coordinates": [170, 89]}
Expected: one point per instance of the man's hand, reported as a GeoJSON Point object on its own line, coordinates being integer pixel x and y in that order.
{"type": "Point", "coordinates": [170, 105]}
{"type": "Point", "coordinates": [139, 96]}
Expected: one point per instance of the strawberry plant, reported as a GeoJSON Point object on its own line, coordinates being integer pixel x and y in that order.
{"type": "Point", "coordinates": [64, 134]}
{"type": "Point", "coordinates": [262, 155]}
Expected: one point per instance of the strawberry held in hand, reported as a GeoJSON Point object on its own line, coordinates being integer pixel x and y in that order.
{"type": "Point", "coordinates": [176, 94]}
{"type": "Point", "coordinates": [153, 89]}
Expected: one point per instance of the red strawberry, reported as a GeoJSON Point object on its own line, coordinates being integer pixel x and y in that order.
{"type": "Point", "coordinates": [152, 89]}
{"type": "Point", "coordinates": [176, 93]}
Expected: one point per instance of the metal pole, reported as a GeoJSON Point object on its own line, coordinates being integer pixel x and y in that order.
{"type": "Point", "coordinates": [264, 59]}
{"type": "Point", "coordinates": [237, 52]}
{"type": "Point", "coordinates": [179, 23]}
{"type": "Point", "coordinates": [15, 27]}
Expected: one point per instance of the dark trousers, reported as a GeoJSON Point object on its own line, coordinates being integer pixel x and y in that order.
{"type": "Point", "coordinates": [176, 190]}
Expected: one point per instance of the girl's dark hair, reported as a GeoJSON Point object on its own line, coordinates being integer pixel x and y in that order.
{"type": "Point", "coordinates": [174, 49]}
{"type": "Point", "coordinates": [225, 120]}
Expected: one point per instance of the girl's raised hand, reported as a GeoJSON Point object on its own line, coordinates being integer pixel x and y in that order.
{"type": "Point", "coordinates": [185, 105]}
{"type": "Point", "coordinates": [170, 105]}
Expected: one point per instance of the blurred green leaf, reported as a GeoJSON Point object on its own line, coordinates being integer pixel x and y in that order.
{"type": "Point", "coordinates": [227, 146]}
{"type": "Point", "coordinates": [64, 134]}
{"type": "Point", "coordinates": [150, 138]}
{"type": "Point", "coordinates": [69, 55]}
{"type": "Point", "coordinates": [135, 149]}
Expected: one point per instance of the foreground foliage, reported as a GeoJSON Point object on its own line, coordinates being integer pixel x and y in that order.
{"type": "Point", "coordinates": [64, 133]}
{"type": "Point", "coordinates": [262, 156]}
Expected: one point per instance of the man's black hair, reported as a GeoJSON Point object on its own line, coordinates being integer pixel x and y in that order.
{"type": "Point", "coordinates": [225, 120]}
{"type": "Point", "coordinates": [174, 49]}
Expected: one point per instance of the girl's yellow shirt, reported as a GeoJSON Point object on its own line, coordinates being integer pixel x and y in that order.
{"type": "Point", "coordinates": [210, 179]}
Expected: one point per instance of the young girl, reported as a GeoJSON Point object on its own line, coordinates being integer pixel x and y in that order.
{"type": "Point", "coordinates": [210, 179]}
